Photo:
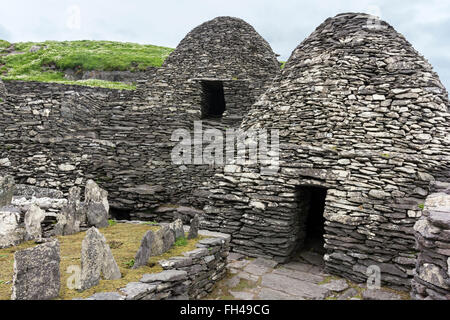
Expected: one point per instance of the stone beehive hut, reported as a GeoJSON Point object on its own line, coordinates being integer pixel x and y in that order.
{"type": "Point", "coordinates": [123, 142]}
{"type": "Point", "coordinates": [223, 65]}
{"type": "Point", "coordinates": [363, 124]}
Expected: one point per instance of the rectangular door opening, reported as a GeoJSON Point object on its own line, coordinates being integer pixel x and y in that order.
{"type": "Point", "coordinates": [213, 99]}
{"type": "Point", "coordinates": [311, 206]}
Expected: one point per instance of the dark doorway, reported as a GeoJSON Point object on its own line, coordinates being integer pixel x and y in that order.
{"type": "Point", "coordinates": [311, 203]}
{"type": "Point", "coordinates": [119, 214]}
{"type": "Point", "coordinates": [213, 99]}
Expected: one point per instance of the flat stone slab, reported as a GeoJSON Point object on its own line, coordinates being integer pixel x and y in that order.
{"type": "Point", "coordinates": [248, 276]}
{"type": "Point", "coordinates": [299, 288]}
{"type": "Point", "coordinates": [299, 275]}
{"type": "Point", "coordinates": [106, 296]}
{"type": "Point", "coordinates": [336, 285]}
{"type": "Point", "coordinates": [300, 266]}
{"type": "Point", "coordinates": [232, 256]}
{"type": "Point", "coordinates": [212, 241]}
{"type": "Point", "coordinates": [165, 276]}
{"type": "Point", "coordinates": [137, 290]}
{"type": "Point", "coordinates": [266, 263]}
{"type": "Point", "coordinates": [196, 253]}
{"type": "Point", "coordinates": [238, 264]}
{"type": "Point", "coordinates": [233, 282]}
{"type": "Point", "coordinates": [270, 294]}
{"type": "Point", "coordinates": [240, 295]}
{"type": "Point", "coordinates": [256, 270]}
{"type": "Point", "coordinates": [176, 262]}
{"type": "Point", "coordinates": [378, 294]}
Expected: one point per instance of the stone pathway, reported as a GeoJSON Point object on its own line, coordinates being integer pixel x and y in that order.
{"type": "Point", "coordinates": [301, 279]}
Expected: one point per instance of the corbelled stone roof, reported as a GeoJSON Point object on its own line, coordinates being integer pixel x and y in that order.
{"type": "Point", "coordinates": [224, 47]}
{"type": "Point", "coordinates": [357, 84]}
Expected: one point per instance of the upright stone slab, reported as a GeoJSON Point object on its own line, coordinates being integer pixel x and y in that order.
{"type": "Point", "coordinates": [96, 259]}
{"type": "Point", "coordinates": [164, 239]}
{"type": "Point", "coordinates": [10, 231]}
{"type": "Point", "coordinates": [177, 228]}
{"type": "Point", "coordinates": [96, 205]}
{"type": "Point", "coordinates": [7, 187]}
{"type": "Point", "coordinates": [145, 250]}
{"type": "Point", "coordinates": [168, 239]}
{"type": "Point", "coordinates": [33, 219]}
{"type": "Point", "coordinates": [73, 213]}
{"type": "Point", "coordinates": [36, 272]}
{"type": "Point", "coordinates": [193, 230]}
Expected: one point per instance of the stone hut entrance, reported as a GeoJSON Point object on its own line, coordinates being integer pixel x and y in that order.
{"type": "Point", "coordinates": [311, 206]}
{"type": "Point", "coordinates": [212, 99]}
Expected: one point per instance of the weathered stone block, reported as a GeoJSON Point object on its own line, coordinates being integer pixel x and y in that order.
{"type": "Point", "coordinates": [36, 272]}
{"type": "Point", "coordinates": [10, 231]}
{"type": "Point", "coordinates": [96, 259]}
{"type": "Point", "coordinates": [7, 188]}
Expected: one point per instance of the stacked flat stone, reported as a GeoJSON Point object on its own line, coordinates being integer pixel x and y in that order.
{"type": "Point", "coordinates": [361, 113]}
{"type": "Point", "coordinates": [191, 276]}
{"type": "Point", "coordinates": [59, 136]}
{"type": "Point", "coordinates": [432, 274]}
{"type": "Point", "coordinates": [3, 92]}
{"type": "Point", "coordinates": [224, 48]}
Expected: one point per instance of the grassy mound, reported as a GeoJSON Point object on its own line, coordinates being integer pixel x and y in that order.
{"type": "Point", "coordinates": [48, 63]}
{"type": "Point", "coordinates": [124, 240]}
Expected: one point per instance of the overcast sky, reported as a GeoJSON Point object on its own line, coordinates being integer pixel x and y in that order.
{"type": "Point", "coordinates": [283, 23]}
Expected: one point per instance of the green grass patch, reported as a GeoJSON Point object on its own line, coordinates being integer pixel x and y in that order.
{"type": "Point", "coordinates": [151, 223]}
{"type": "Point", "coordinates": [48, 63]}
{"type": "Point", "coordinates": [130, 263]}
{"type": "Point", "coordinates": [112, 222]}
{"type": "Point", "coordinates": [181, 242]}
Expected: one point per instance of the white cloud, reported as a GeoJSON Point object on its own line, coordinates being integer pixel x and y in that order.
{"type": "Point", "coordinates": [283, 23]}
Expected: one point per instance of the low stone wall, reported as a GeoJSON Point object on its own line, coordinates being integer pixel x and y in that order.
{"type": "Point", "coordinates": [40, 89]}
{"type": "Point", "coordinates": [191, 276]}
{"type": "Point", "coordinates": [118, 76]}
{"type": "Point", "coordinates": [432, 232]}
{"type": "Point", "coordinates": [58, 136]}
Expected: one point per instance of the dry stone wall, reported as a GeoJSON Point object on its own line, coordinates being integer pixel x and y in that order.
{"type": "Point", "coordinates": [191, 276]}
{"type": "Point", "coordinates": [3, 91]}
{"type": "Point", "coordinates": [59, 136]}
{"type": "Point", "coordinates": [361, 114]}
{"type": "Point", "coordinates": [432, 232]}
